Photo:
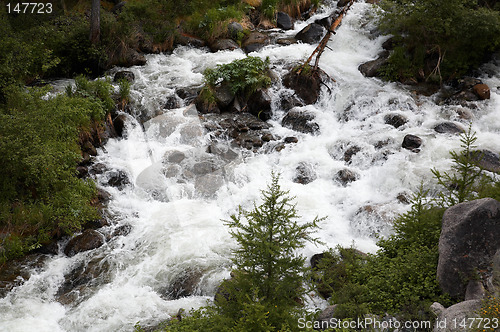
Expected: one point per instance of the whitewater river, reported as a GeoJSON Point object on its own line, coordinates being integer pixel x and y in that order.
{"type": "Point", "coordinates": [177, 232]}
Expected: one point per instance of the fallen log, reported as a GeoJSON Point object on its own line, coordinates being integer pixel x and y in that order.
{"type": "Point", "coordinates": [322, 44]}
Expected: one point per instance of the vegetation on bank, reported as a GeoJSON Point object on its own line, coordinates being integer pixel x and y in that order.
{"type": "Point", "coordinates": [42, 198]}
{"type": "Point", "coordinates": [437, 41]}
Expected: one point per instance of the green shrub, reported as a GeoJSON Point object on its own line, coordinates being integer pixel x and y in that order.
{"type": "Point", "coordinates": [453, 36]}
{"type": "Point", "coordinates": [244, 76]}
{"type": "Point", "coordinates": [41, 197]}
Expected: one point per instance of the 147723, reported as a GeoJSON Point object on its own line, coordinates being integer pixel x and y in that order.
{"type": "Point", "coordinates": [30, 8]}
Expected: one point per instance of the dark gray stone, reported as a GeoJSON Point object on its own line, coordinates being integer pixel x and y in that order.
{"type": "Point", "coordinates": [346, 176]}
{"type": "Point", "coordinates": [396, 120]}
{"type": "Point", "coordinates": [88, 240]}
{"type": "Point", "coordinates": [223, 45]}
{"type": "Point", "coordinates": [304, 173]}
{"type": "Point", "coordinates": [311, 34]}
{"type": "Point", "coordinates": [301, 121]}
{"type": "Point", "coordinates": [411, 142]}
{"type": "Point", "coordinates": [372, 68]}
{"type": "Point", "coordinates": [449, 128]}
{"type": "Point", "coordinates": [487, 160]}
{"type": "Point", "coordinates": [283, 21]}
{"type": "Point", "coordinates": [124, 74]}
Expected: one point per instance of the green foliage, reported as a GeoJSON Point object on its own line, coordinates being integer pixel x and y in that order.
{"type": "Point", "coordinates": [465, 178]}
{"type": "Point", "coordinates": [124, 90]}
{"type": "Point", "coordinates": [442, 39]}
{"type": "Point", "coordinates": [268, 269]}
{"type": "Point", "coordinates": [41, 196]}
{"type": "Point", "coordinates": [400, 279]}
{"type": "Point", "coordinates": [244, 76]}
{"type": "Point", "coordinates": [211, 24]}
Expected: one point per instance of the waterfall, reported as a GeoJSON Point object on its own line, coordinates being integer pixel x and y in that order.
{"type": "Point", "coordinates": [166, 234]}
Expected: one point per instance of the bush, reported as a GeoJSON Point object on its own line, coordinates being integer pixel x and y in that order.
{"type": "Point", "coordinates": [440, 39]}
{"type": "Point", "coordinates": [41, 197]}
{"type": "Point", "coordinates": [244, 76]}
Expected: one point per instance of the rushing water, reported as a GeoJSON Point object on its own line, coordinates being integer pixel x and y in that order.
{"type": "Point", "coordinates": [178, 232]}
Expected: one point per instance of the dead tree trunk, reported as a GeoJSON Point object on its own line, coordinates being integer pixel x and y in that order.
{"type": "Point", "coordinates": [322, 44]}
{"type": "Point", "coordinates": [95, 24]}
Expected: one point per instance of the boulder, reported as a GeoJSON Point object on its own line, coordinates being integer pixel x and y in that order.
{"type": "Point", "coordinates": [411, 142]}
{"type": "Point", "coordinates": [119, 124]}
{"type": "Point", "coordinates": [223, 45]}
{"type": "Point", "coordinates": [449, 128]}
{"type": "Point", "coordinates": [325, 22]}
{"type": "Point", "coordinates": [88, 240]}
{"type": "Point", "coordinates": [372, 68]}
{"type": "Point", "coordinates": [259, 104]}
{"type": "Point", "coordinates": [350, 152]}
{"type": "Point", "coordinates": [124, 74]}
{"type": "Point", "coordinates": [254, 42]}
{"type": "Point", "coordinates": [487, 160]}
{"type": "Point", "coordinates": [184, 284]}
{"type": "Point", "coordinates": [132, 58]}
{"type": "Point", "coordinates": [283, 21]}
{"type": "Point", "coordinates": [188, 40]}
{"type": "Point", "coordinates": [346, 176]}
{"type": "Point", "coordinates": [311, 34]}
{"type": "Point", "coordinates": [469, 239]}
{"type": "Point", "coordinates": [396, 120]}
{"type": "Point", "coordinates": [482, 91]}
{"type": "Point", "coordinates": [118, 179]}
{"type": "Point", "coordinates": [342, 3]}
{"type": "Point", "coordinates": [300, 120]}
{"type": "Point", "coordinates": [234, 29]}
{"type": "Point", "coordinates": [172, 102]}
{"type": "Point", "coordinates": [304, 173]}
{"type": "Point", "coordinates": [449, 319]}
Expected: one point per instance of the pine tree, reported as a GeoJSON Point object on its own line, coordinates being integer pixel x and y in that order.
{"type": "Point", "coordinates": [268, 269]}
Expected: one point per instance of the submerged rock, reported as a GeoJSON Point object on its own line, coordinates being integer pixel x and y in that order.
{"type": "Point", "coordinates": [449, 128]}
{"type": "Point", "coordinates": [411, 142]}
{"type": "Point", "coordinates": [304, 173]}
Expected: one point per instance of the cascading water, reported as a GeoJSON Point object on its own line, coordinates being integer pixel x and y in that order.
{"type": "Point", "coordinates": [180, 194]}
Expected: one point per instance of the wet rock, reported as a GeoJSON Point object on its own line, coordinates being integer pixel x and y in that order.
{"type": "Point", "coordinates": [223, 45]}
{"type": "Point", "coordinates": [290, 101]}
{"type": "Point", "coordinates": [88, 240]}
{"type": "Point", "coordinates": [449, 128]}
{"type": "Point", "coordinates": [98, 168]}
{"type": "Point", "coordinates": [259, 104]}
{"type": "Point", "coordinates": [482, 91]}
{"type": "Point", "coordinates": [342, 3]}
{"type": "Point", "coordinates": [304, 173]}
{"type": "Point", "coordinates": [404, 198]}
{"type": "Point", "coordinates": [81, 279]}
{"type": "Point", "coordinates": [411, 142]}
{"type": "Point", "coordinates": [286, 41]}
{"type": "Point", "coordinates": [291, 139]}
{"type": "Point", "coordinates": [124, 74]}
{"type": "Point", "coordinates": [184, 284]}
{"type": "Point", "coordinates": [132, 58]}
{"type": "Point", "coordinates": [204, 167]}
{"type": "Point", "coordinates": [16, 272]}
{"type": "Point", "coordinates": [283, 21]}
{"type": "Point", "coordinates": [223, 151]}
{"type": "Point", "coordinates": [306, 86]}
{"type": "Point", "coordinates": [235, 30]}
{"type": "Point", "coordinates": [188, 40]}
{"type": "Point", "coordinates": [395, 120]}
{"type": "Point", "coordinates": [469, 239]}
{"type": "Point", "coordinates": [171, 103]}
{"type": "Point", "coordinates": [300, 120]}
{"type": "Point", "coordinates": [254, 42]}
{"type": "Point", "coordinates": [174, 156]}
{"type": "Point", "coordinates": [388, 45]}
{"type": "Point", "coordinates": [119, 124]}
{"type": "Point", "coordinates": [118, 179]}
{"type": "Point", "coordinates": [487, 160]}
{"type": "Point", "coordinates": [208, 184]}
{"type": "Point", "coordinates": [268, 137]}
{"type": "Point", "coordinates": [311, 34]}
{"type": "Point", "coordinates": [187, 94]}
{"type": "Point", "coordinates": [223, 95]}
{"type": "Point", "coordinates": [346, 176]}
{"type": "Point", "coordinates": [122, 230]}
{"type": "Point", "coordinates": [325, 22]}
{"type": "Point", "coordinates": [372, 68]}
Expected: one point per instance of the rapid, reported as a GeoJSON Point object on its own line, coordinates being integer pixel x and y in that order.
{"type": "Point", "coordinates": [175, 228]}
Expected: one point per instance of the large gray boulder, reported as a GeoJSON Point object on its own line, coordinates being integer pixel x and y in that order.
{"type": "Point", "coordinates": [311, 34]}
{"type": "Point", "coordinates": [470, 237]}
{"type": "Point", "coordinates": [452, 318]}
